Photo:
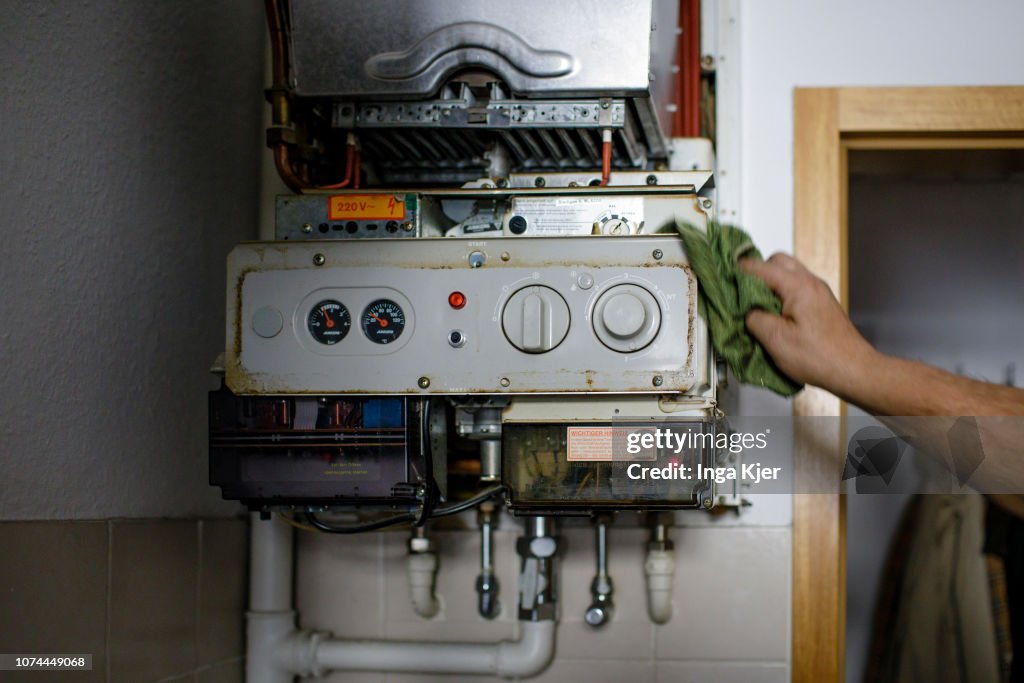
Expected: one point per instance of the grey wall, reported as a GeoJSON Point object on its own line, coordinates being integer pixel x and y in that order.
{"type": "Point", "coordinates": [934, 275]}
{"type": "Point", "coordinates": [130, 159]}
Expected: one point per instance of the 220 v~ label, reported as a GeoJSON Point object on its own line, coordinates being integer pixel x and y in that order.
{"type": "Point", "coordinates": [365, 207]}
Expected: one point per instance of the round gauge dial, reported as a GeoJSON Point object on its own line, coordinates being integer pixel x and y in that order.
{"type": "Point", "coordinates": [383, 321]}
{"type": "Point", "coordinates": [329, 322]}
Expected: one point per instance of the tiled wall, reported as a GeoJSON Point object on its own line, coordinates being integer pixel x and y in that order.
{"type": "Point", "coordinates": [151, 600]}
{"type": "Point", "coordinates": [731, 602]}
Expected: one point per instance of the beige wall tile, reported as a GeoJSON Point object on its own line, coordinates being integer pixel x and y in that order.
{"type": "Point", "coordinates": [720, 672]}
{"type": "Point", "coordinates": [227, 672]}
{"type": "Point", "coordinates": [222, 590]}
{"type": "Point", "coordinates": [731, 597]}
{"type": "Point", "coordinates": [53, 593]}
{"type": "Point", "coordinates": [154, 579]}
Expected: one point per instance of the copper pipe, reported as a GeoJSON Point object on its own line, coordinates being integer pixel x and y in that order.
{"type": "Point", "coordinates": [686, 119]}
{"type": "Point", "coordinates": [279, 63]}
{"type": "Point", "coordinates": [284, 168]}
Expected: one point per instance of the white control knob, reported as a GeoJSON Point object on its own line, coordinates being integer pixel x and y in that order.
{"type": "Point", "coordinates": [535, 319]}
{"type": "Point", "coordinates": [627, 318]}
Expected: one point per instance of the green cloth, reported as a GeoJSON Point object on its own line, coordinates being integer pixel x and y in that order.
{"type": "Point", "coordinates": [726, 295]}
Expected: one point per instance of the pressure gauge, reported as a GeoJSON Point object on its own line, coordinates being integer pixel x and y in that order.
{"type": "Point", "coordinates": [383, 321]}
{"type": "Point", "coordinates": [329, 322]}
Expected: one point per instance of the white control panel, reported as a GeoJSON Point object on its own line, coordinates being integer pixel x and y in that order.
{"type": "Point", "coordinates": [458, 316]}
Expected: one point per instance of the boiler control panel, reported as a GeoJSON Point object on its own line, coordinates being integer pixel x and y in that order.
{"type": "Point", "coordinates": [458, 316]}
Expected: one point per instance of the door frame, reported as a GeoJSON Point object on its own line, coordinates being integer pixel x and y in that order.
{"type": "Point", "coordinates": [828, 123]}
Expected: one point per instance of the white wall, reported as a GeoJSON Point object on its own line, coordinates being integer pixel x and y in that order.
{"type": "Point", "coordinates": [130, 165]}
{"type": "Point", "coordinates": [794, 43]}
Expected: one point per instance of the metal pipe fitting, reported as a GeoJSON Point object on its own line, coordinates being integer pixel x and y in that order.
{"type": "Point", "coordinates": [601, 588]}
{"type": "Point", "coordinates": [487, 582]}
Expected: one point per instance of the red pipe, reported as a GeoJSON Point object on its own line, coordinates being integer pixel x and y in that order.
{"type": "Point", "coordinates": [606, 155]}
{"type": "Point", "coordinates": [350, 158]}
{"type": "Point", "coordinates": [686, 119]}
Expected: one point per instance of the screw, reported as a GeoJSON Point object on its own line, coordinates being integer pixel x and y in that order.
{"type": "Point", "coordinates": [319, 259]}
{"type": "Point", "coordinates": [605, 104]}
{"type": "Point", "coordinates": [307, 228]}
{"type": "Point", "coordinates": [706, 203]}
{"type": "Point", "coordinates": [539, 182]}
{"type": "Point", "coordinates": [652, 179]}
{"type": "Point", "coordinates": [505, 256]}
{"type": "Point", "coordinates": [657, 254]}
{"type": "Point", "coordinates": [423, 382]}
{"type": "Point", "coordinates": [502, 182]}
{"type": "Point", "coordinates": [504, 382]}
{"type": "Point", "coordinates": [657, 380]}
{"type": "Point", "coordinates": [407, 226]}
{"type": "Point", "coordinates": [707, 62]}
{"type": "Point", "coordinates": [707, 503]}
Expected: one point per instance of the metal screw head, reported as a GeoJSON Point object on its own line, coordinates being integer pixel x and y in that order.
{"type": "Point", "coordinates": [706, 203]}
{"type": "Point", "coordinates": [707, 62]}
{"type": "Point", "coordinates": [319, 259]}
{"type": "Point", "coordinates": [505, 256]}
{"type": "Point", "coordinates": [539, 182]}
{"type": "Point", "coordinates": [423, 382]}
{"type": "Point", "coordinates": [657, 381]}
{"type": "Point", "coordinates": [307, 228]}
{"type": "Point", "coordinates": [407, 226]}
{"type": "Point", "coordinates": [502, 182]}
{"type": "Point", "coordinates": [504, 382]}
{"type": "Point", "coordinates": [708, 503]}
{"type": "Point", "coordinates": [657, 254]}
{"type": "Point", "coordinates": [652, 179]}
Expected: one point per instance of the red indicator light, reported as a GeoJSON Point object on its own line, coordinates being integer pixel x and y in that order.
{"type": "Point", "coordinates": [456, 300]}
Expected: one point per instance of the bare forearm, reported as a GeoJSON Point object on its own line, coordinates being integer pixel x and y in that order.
{"type": "Point", "coordinates": [885, 385]}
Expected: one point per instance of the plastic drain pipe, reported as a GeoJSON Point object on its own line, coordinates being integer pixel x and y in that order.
{"type": "Point", "coordinates": [277, 651]}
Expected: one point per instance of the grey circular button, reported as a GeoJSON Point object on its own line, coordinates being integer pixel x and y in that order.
{"type": "Point", "coordinates": [627, 318]}
{"type": "Point", "coordinates": [585, 281]}
{"type": "Point", "coordinates": [267, 322]}
{"type": "Point", "coordinates": [624, 315]}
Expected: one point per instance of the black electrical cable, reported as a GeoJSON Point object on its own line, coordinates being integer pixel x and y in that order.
{"type": "Point", "coordinates": [359, 528]}
{"type": "Point", "coordinates": [469, 503]}
{"type": "Point", "coordinates": [429, 485]}
{"type": "Point", "coordinates": [404, 517]}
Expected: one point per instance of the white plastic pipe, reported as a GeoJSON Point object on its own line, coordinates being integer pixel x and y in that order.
{"type": "Point", "coordinates": [660, 569]}
{"type": "Point", "coordinates": [422, 571]}
{"type": "Point", "coordinates": [521, 658]}
{"type": "Point", "coordinates": [270, 620]}
{"type": "Point", "coordinates": [277, 652]}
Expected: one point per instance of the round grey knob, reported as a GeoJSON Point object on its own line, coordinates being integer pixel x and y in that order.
{"type": "Point", "coordinates": [627, 318]}
{"type": "Point", "coordinates": [535, 319]}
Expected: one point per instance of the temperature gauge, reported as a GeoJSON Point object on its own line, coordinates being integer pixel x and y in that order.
{"type": "Point", "coordinates": [329, 322]}
{"type": "Point", "coordinates": [383, 321]}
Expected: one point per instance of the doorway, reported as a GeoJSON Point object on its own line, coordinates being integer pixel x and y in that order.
{"type": "Point", "coordinates": [837, 130]}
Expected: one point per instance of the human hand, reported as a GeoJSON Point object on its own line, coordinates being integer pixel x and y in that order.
{"type": "Point", "coordinates": [813, 340]}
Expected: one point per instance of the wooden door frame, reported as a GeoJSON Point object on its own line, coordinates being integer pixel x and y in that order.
{"type": "Point", "coordinates": [828, 122]}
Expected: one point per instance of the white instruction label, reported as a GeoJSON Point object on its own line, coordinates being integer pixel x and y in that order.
{"type": "Point", "coordinates": [605, 444]}
{"type": "Point", "coordinates": [580, 215]}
